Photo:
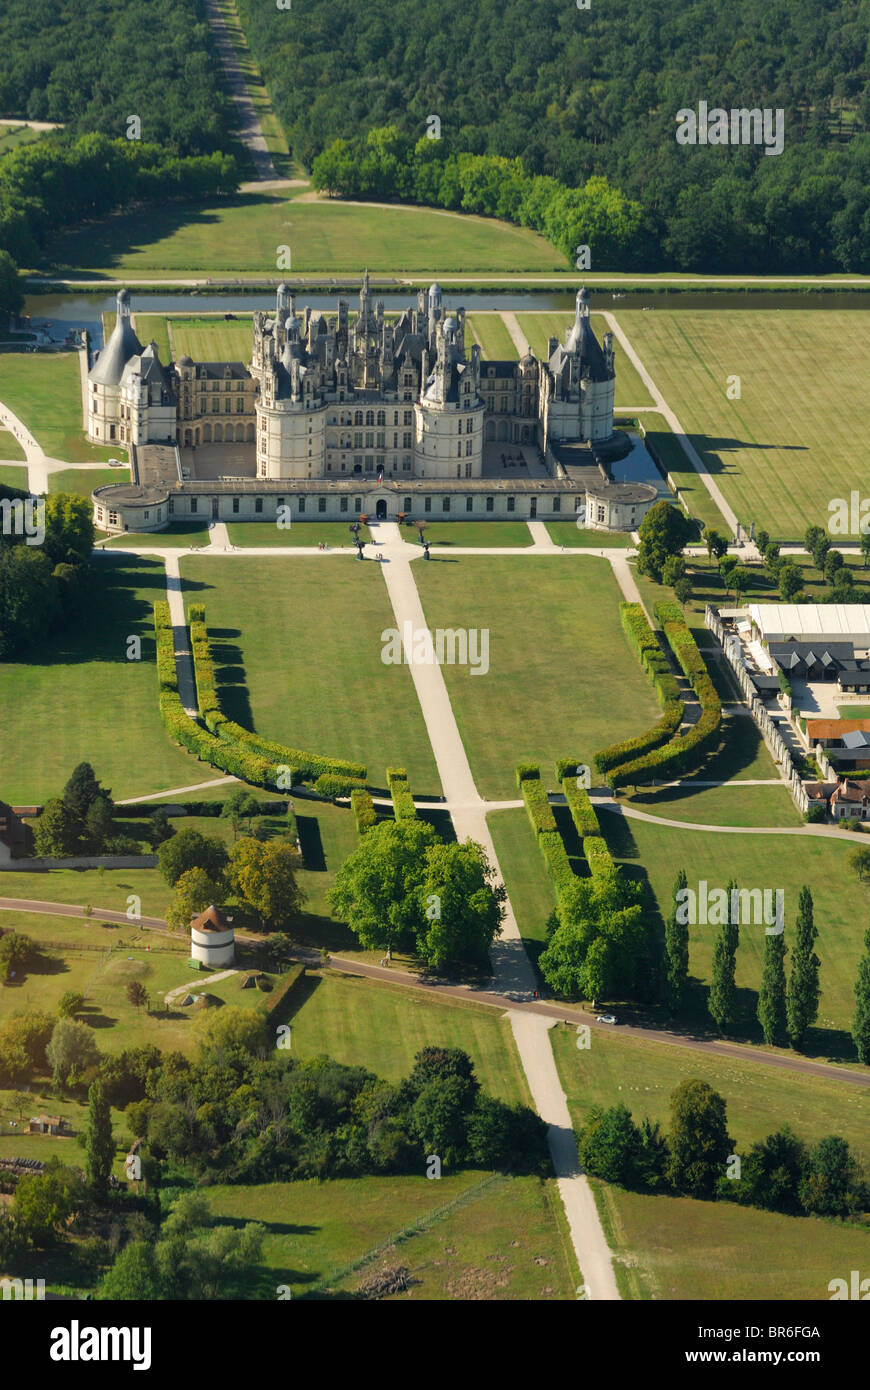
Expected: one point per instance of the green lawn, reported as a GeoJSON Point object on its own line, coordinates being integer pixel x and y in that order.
{"type": "Point", "coordinates": [177, 533]}
{"type": "Point", "coordinates": [569, 534]}
{"type": "Point", "coordinates": [44, 391]}
{"type": "Point", "coordinates": [557, 657]}
{"type": "Point", "coordinates": [211, 339]}
{"type": "Point", "coordinates": [854, 711]}
{"type": "Point", "coordinates": [152, 327]}
{"type": "Point", "coordinates": [74, 696]}
{"type": "Point", "coordinates": [784, 862]}
{"type": "Point", "coordinates": [491, 332]}
{"type": "Point", "coordinates": [303, 533]}
{"type": "Point", "coordinates": [500, 1238]}
{"type": "Point", "coordinates": [777, 465]}
{"type": "Point", "coordinates": [84, 480]}
{"type": "Point", "coordinates": [13, 476]}
{"type": "Point", "coordinates": [365, 1023]}
{"type": "Point", "coordinates": [10, 448]}
{"type": "Point", "coordinates": [468, 533]}
{"type": "Point", "coordinates": [529, 886]}
{"type": "Point", "coordinates": [311, 674]}
{"type": "Point", "coordinates": [678, 1248]}
{"type": "Point", "coordinates": [675, 1247]}
{"type": "Point", "coordinates": [12, 136]}
{"type": "Point", "coordinates": [242, 235]}
{"type": "Point", "coordinates": [540, 327]}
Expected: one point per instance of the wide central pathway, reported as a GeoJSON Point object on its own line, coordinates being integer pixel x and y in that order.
{"type": "Point", "coordinates": [512, 969]}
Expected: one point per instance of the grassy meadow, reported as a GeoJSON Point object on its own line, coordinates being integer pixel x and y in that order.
{"type": "Point", "coordinates": [44, 390]}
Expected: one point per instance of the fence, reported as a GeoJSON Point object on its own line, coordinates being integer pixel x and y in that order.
{"type": "Point", "coordinates": [84, 861]}
{"type": "Point", "coordinates": [776, 745]}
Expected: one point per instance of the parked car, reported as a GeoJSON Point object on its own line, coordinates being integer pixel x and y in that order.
{"type": "Point", "coordinates": [115, 463]}
{"type": "Point", "coordinates": [606, 1018]}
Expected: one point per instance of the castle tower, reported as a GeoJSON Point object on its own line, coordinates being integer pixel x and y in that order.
{"type": "Point", "coordinates": [576, 400]}
{"type": "Point", "coordinates": [104, 379]}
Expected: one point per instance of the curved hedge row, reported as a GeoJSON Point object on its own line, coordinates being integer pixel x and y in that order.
{"type": "Point", "coordinates": [403, 801]}
{"type": "Point", "coordinates": [295, 764]}
{"type": "Point", "coordinates": [654, 662]}
{"type": "Point", "coordinates": [682, 753]}
{"type": "Point", "coordinates": [581, 808]}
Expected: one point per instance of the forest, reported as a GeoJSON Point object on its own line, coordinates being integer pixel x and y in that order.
{"type": "Point", "coordinates": [581, 94]}
{"type": "Point", "coordinates": [91, 66]}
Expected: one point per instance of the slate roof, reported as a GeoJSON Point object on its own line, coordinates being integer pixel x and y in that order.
{"type": "Point", "coordinates": [122, 345]}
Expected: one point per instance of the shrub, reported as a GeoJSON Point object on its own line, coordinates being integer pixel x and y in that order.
{"type": "Point", "coordinates": [596, 854]}
{"type": "Point", "coordinates": [581, 808]}
{"type": "Point", "coordinates": [654, 662]}
{"type": "Point", "coordinates": [167, 675]}
{"type": "Point", "coordinates": [333, 784]}
{"type": "Point", "coordinates": [526, 772]}
{"type": "Point", "coordinates": [282, 991]}
{"type": "Point", "coordinates": [540, 812]}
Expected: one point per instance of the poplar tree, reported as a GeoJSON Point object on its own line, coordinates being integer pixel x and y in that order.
{"type": "Point", "coordinates": [99, 1144]}
{"type": "Point", "coordinates": [802, 999]}
{"type": "Point", "coordinates": [861, 1020]}
{"type": "Point", "coordinates": [676, 949]}
{"type": "Point", "coordinates": [721, 1001]}
{"type": "Point", "coordinates": [771, 996]}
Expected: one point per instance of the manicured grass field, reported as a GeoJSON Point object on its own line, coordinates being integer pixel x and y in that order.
{"type": "Point", "coordinates": [13, 476]}
{"type": "Point", "coordinates": [242, 234]}
{"type": "Point", "coordinates": [335, 534]}
{"type": "Point", "coordinates": [467, 533]}
{"type": "Point", "coordinates": [44, 391]}
{"type": "Point", "coordinates": [84, 480]}
{"type": "Point", "coordinates": [529, 886]}
{"type": "Point", "coordinates": [854, 711]}
{"type": "Point", "coordinates": [561, 681]}
{"type": "Point", "coordinates": [211, 339]}
{"type": "Point", "coordinates": [777, 465]}
{"type": "Point", "coordinates": [10, 448]}
{"type": "Point", "coordinates": [723, 1250]}
{"type": "Point", "coordinates": [177, 533]}
{"type": "Point", "coordinates": [74, 696]}
{"type": "Point", "coordinates": [382, 1027]}
{"type": "Point", "coordinates": [310, 674]}
{"type": "Point", "coordinates": [540, 327]}
{"type": "Point", "coordinates": [12, 136]}
{"type": "Point", "coordinates": [505, 1239]}
{"type": "Point", "coordinates": [491, 332]}
{"type": "Point", "coordinates": [569, 534]}
{"type": "Point", "coordinates": [153, 326]}
{"type": "Point", "coordinates": [786, 862]}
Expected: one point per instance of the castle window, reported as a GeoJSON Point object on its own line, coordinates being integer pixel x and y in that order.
{"type": "Point", "coordinates": [512, 504]}
{"type": "Point", "coordinates": [240, 404]}
{"type": "Point", "coordinates": [395, 417]}
{"type": "Point", "coordinates": [235, 504]}
{"type": "Point", "coordinates": [468, 470]}
{"type": "Point", "coordinates": [427, 504]}
{"type": "Point", "coordinates": [193, 503]}
{"type": "Point", "coordinates": [406, 439]}
{"type": "Point", "coordinates": [406, 505]}
{"type": "Point", "coordinates": [381, 439]}
{"type": "Point", "coordinates": [111, 431]}
{"type": "Point", "coordinates": [321, 504]}
{"type": "Point", "coordinates": [459, 426]}
{"type": "Point", "coordinates": [469, 426]}
{"type": "Point", "coordinates": [408, 417]}
{"type": "Point", "coordinates": [370, 417]}
{"type": "Point", "coordinates": [202, 405]}
{"type": "Point", "coordinates": [370, 464]}
{"type": "Point", "coordinates": [557, 504]}
{"type": "Point", "coordinates": [342, 505]}
{"type": "Point", "coordinates": [228, 405]}
{"type": "Point", "coordinates": [459, 470]}
{"type": "Point", "coordinates": [490, 504]}
{"type": "Point", "coordinates": [396, 439]}
{"type": "Point", "coordinates": [445, 505]}
{"type": "Point", "coordinates": [469, 504]}
{"type": "Point", "coordinates": [382, 417]}
{"type": "Point", "coordinates": [113, 518]}
{"type": "Point", "coordinates": [600, 513]}
{"type": "Point", "coordinates": [406, 396]}
{"type": "Point", "coordinates": [357, 504]}
{"type": "Point", "coordinates": [357, 419]}
{"type": "Point", "coordinates": [301, 505]}
{"type": "Point", "coordinates": [406, 465]}
{"type": "Point", "coordinates": [468, 444]}
{"type": "Point", "coordinates": [459, 450]}
{"type": "Point", "coordinates": [357, 439]}
{"type": "Point", "coordinates": [370, 439]}
{"type": "Point", "coordinates": [171, 507]}
{"type": "Point", "coordinates": [215, 405]}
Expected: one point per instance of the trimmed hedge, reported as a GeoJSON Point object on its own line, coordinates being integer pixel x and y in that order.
{"type": "Point", "coordinates": [540, 813]}
{"type": "Point", "coordinates": [363, 808]}
{"type": "Point", "coordinates": [596, 854]}
{"type": "Point", "coordinates": [654, 662]}
{"type": "Point", "coordinates": [581, 808]}
{"type": "Point", "coordinates": [332, 785]}
{"type": "Point", "coordinates": [527, 772]}
{"type": "Point", "coordinates": [167, 675]}
{"type": "Point", "coordinates": [298, 766]}
{"type": "Point", "coordinates": [282, 992]}
{"type": "Point", "coordinates": [556, 858]}
{"type": "Point", "coordinates": [403, 801]}
{"type": "Point", "coordinates": [684, 752]}
{"type": "Point", "coordinates": [538, 807]}
{"type": "Point", "coordinates": [567, 767]}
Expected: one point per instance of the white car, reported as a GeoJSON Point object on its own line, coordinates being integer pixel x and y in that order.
{"type": "Point", "coordinates": [115, 463]}
{"type": "Point", "coordinates": [606, 1018]}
